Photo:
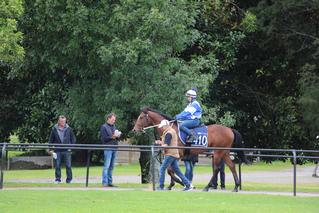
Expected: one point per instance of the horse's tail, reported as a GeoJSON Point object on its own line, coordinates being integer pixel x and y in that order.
{"type": "Point", "coordinates": [239, 143]}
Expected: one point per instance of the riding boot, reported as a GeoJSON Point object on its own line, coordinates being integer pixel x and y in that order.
{"type": "Point", "coordinates": [190, 138]}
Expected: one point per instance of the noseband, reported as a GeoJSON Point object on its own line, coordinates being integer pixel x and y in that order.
{"type": "Point", "coordinates": [145, 121]}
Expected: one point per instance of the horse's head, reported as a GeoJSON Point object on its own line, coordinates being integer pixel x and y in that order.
{"type": "Point", "coordinates": [149, 117]}
{"type": "Point", "coordinates": [142, 121]}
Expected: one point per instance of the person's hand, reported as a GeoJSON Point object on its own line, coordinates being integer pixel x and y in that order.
{"type": "Point", "coordinates": [158, 142]}
{"type": "Point", "coordinates": [117, 133]}
{"type": "Point", "coordinates": [53, 154]}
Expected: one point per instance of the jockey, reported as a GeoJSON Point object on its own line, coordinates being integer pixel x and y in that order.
{"type": "Point", "coordinates": [190, 117]}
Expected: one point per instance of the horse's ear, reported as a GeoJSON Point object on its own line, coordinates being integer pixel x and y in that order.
{"type": "Point", "coordinates": [144, 110]}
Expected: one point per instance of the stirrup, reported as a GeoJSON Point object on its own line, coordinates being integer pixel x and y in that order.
{"type": "Point", "coordinates": [190, 138]}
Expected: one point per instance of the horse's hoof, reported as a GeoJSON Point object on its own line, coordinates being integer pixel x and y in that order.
{"type": "Point", "coordinates": [206, 189]}
{"type": "Point", "coordinates": [235, 190]}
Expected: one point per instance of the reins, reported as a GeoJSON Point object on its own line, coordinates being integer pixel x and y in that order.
{"type": "Point", "coordinates": [172, 121]}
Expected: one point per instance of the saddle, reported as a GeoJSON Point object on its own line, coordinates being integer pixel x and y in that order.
{"type": "Point", "coordinates": [200, 136]}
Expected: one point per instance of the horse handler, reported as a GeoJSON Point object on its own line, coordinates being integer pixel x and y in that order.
{"type": "Point", "coordinates": [169, 138]}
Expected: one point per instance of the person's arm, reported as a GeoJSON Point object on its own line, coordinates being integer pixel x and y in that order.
{"type": "Point", "coordinates": [186, 114]}
{"type": "Point", "coordinates": [52, 137]}
{"type": "Point", "coordinates": [51, 140]}
{"type": "Point", "coordinates": [72, 137]}
{"type": "Point", "coordinates": [196, 110]}
{"type": "Point", "coordinates": [167, 140]}
{"type": "Point", "coordinates": [183, 115]}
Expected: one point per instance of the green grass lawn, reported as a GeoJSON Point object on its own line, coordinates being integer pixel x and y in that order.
{"type": "Point", "coordinates": [148, 201]}
{"type": "Point", "coordinates": [143, 199]}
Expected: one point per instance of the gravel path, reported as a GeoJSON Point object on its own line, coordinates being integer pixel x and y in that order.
{"type": "Point", "coordinates": [304, 175]}
{"type": "Point", "coordinates": [285, 176]}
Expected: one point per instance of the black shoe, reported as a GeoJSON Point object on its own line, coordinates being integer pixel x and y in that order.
{"type": "Point", "coordinates": [111, 185]}
{"type": "Point", "coordinates": [222, 188]}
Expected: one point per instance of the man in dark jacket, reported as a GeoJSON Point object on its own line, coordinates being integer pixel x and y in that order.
{"type": "Point", "coordinates": [109, 136]}
{"type": "Point", "coordinates": [61, 133]}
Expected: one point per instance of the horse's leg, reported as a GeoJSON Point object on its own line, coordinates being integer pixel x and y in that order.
{"type": "Point", "coordinates": [174, 178]}
{"type": "Point", "coordinates": [232, 168]}
{"type": "Point", "coordinates": [216, 161]}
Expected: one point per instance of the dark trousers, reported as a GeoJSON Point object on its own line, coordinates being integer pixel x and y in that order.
{"type": "Point", "coordinates": [66, 155]}
{"type": "Point", "coordinates": [221, 170]}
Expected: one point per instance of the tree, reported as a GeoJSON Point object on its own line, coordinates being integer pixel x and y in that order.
{"type": "Point", "coordinates": [11, 55]}
{"type": "Point", "coordinates": [11, 51]}
{"type": "Point", "coordinates": [87, 58]}
{"type": "Point", "coordinates": [118, 56]}
{"type": "Point", "coordinates": [262, 88]}
{"type": "Point", "coordinates": [309, 99]}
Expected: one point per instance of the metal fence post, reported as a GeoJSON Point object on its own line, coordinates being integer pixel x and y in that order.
{"type": "Point", "coordinates": [3, 157]}
{"type": "Point", "coordinates": [153, 168]}
{"type": "Point", "coordinates": [88, 168]}
{"type": "Point", "coordinates": [295, 170]}
{"type": "Point", "coordinates": [239, 171]}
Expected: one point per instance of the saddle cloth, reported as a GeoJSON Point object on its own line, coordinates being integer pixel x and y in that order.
{"type": "Point", "coordinates": [200, 136]}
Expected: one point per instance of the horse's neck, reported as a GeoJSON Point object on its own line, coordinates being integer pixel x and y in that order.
{"type": "Point", "coordinates": [156, 119]}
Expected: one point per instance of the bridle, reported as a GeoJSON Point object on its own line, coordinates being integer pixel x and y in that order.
{"type": "Point", "coordinates": [145, 121]}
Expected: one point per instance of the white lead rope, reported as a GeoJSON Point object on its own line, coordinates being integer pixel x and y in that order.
{"type": "Point", "coordinates": [156, 125]}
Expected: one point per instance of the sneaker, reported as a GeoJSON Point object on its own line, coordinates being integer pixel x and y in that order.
{"type": "Point", "coordinates": [57, 182]}
{"type": "Point", "coordinates": [111, 185]}
{"type": "Point", "coordinates": [222, 188]}
{"type": "Point", "coordinates": [188, 188]}
{"type": "Point", "coordinates": [68, 181]}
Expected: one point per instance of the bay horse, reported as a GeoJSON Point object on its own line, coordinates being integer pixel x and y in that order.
{"type": "Point", "coordinates": [218, 136]}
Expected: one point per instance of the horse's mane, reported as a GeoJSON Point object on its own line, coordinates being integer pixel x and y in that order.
{"type": "Point", "coordinates": [146, 109]}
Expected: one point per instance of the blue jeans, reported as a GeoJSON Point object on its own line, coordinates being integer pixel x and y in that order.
{"type": "Point", "coordinates": [173, 162]}
{"type": "Point", "coordinates": [57, 164]}
{"type": "Point", "coordinates": [186, 124]}
{"type": "Point", "coordinates": [189, 166]}
{"type": "Point", "coordinates": [221, 170]}
{"type": "Point", "coordinates": [109, 161]}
